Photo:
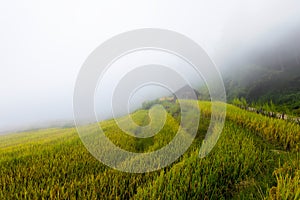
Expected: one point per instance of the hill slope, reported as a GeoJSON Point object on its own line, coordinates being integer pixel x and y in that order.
{"type": "Point", "coordinates": [54, 164]}
{"type": "Point", "coordinates": [271, 72]}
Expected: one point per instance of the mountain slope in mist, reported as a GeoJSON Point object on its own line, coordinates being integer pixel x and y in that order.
{"type": "Point", "coordinates": [269, 74]}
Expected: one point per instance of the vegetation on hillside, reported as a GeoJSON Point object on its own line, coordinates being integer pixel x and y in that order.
{"type": "Point", "coordinates": [256, 157]}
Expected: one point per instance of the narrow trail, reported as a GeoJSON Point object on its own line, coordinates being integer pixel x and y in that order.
{"type": "Point", "coordinates": [272, 114]}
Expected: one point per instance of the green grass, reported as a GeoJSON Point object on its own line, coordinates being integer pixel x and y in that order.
{"type": "Point", "coordinates": [255, 158]}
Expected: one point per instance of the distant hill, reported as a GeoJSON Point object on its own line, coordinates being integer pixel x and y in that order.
{"type": "Point", "coordinates": [271, 73]}
{"type": "Point", "coordinates": [187, 92]}
{"type": "Point", "coordinates": [39, 125]}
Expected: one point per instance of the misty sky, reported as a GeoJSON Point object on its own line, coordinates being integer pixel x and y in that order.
{"type": "Point", "coordinates": [44, 43]}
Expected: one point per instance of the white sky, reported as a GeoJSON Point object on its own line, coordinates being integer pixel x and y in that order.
{"type": "Point", "coordinates": [44, 43]}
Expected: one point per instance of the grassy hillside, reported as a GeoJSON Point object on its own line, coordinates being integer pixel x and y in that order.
{"type": "Point", "coordinates": [255, 158]}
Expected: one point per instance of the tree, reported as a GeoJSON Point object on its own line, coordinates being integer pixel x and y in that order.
{"type": "Point", "coordinates": [244, 102]}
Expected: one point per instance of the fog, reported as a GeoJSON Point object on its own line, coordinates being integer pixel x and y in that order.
{"type": "Point", "coordinates": [44, 44]}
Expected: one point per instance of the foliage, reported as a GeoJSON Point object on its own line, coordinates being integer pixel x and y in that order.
{"type": "Point", "coordinates": [288, 180]}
